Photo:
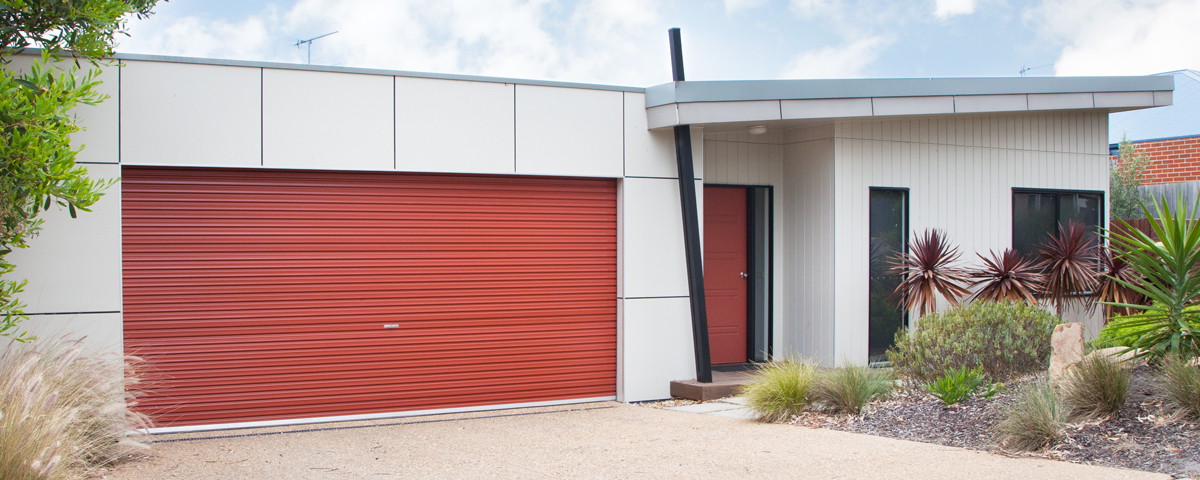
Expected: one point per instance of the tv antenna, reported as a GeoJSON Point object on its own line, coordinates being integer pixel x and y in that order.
{"type": "Point", "coordinates": [309, 42]}
{"type": "Point", "coordinates": [1026, 69]}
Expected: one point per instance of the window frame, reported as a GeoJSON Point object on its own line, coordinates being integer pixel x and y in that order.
{"type": "Point", "coordinates": [1012, 212]}
{"type": "Point", "coordinates": [905, 314]}
{"type": "Point", "coordinates": [1103, 220]}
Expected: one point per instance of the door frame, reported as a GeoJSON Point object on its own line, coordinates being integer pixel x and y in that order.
{"type": "Point", "coordinates": [751, 292]}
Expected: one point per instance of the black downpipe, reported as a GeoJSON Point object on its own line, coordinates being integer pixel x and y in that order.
{"type": "Point", "coordinates": [691, 227]}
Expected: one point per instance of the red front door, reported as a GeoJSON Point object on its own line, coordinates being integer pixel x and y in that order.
{"type": "Point", "coordinates": [725, 272]}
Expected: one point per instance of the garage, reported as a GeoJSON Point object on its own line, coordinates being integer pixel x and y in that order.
{"type": "Point", "coordinates": [263, 295]}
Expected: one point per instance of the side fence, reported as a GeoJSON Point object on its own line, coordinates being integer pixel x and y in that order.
{"type": "Point", "coordinates": [1190, 191]}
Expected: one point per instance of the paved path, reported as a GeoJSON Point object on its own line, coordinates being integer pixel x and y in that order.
{"type": "Point", "coordinates": [605, 440]}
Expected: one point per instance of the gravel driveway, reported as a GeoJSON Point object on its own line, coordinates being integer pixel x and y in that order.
{"type": "Point", "coordinates": [601, 440]}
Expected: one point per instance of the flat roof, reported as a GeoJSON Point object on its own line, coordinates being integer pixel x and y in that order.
{"type": "Point", "coordinates": [754, 90]}
{"type": "Point", "coordinates": [360, 71]}
{"type": "Point", "coordinates": [788, 101]}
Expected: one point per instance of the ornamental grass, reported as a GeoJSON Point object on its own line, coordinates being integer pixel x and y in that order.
{"type": "Point", "coordinates": [780, 390]}
{"type": "Point", "coordinates": [64, 407]}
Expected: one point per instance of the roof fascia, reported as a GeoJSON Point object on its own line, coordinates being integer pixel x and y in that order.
{"type": "Point", "coordinates": [755, 90]}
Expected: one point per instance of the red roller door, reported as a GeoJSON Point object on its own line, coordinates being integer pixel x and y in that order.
{"type": "Point", "coordinates": [265, 295]}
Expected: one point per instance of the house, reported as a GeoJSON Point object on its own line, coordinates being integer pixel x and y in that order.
{"type": "Point", "coordinates": [1168, 136]}
{"type": "Point", "coordinates": [297, 244]}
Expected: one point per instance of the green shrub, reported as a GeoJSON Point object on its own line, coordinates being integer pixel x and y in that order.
{"type": "Point", "coordinates": [1179, 378]}
{"type": "Point", "coordinates": [63, 407]}
{"type": "Point", "coordinates": [779, 390]}
{"type": "Point", "coordinates": [849, 388]}
{"type": "Point", "coordinates": [1035, 421]}
{"type": "Point", "coordinates": [1096, 386]}
{"type": "Point", "coordinates": [958, 385]}
{"type": "Point", "coordinates": [1128, 330]}
{"type": "Point", "coordinates": [1006, 339]}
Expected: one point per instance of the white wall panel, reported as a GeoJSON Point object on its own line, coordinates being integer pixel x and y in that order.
{"type": "Point", "coordinates": [99, 124]}
{"type": "Point", "coordinates": [649, 153]}
{"type": "Point", "coordinates": [654, 262]}
{"type": "Point", "coordinates": [657, 347]}
{"type": "Point", "coordinates": [326, 120]}
{"type": "Point", "coordinates": [184, 114]}
{"type": "Point", "coordinates": [454, 126]}
{"type": "Point", "coordinates": [74, 264]}
{"type": "Point", "coordinates": [960, 180]}
{"type": "Point", "coordinates": [569, 131]}
{"type": "Point", "coordinates": [100, 332]}
{"type": "Point", "coordinates": [662, 115]}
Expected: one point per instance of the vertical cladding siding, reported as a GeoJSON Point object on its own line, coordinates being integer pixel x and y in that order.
{"type": "Point", "coordinates": [808, 249]}
{"type": "Point", "coordinates": [960, 172]}
{"type": "Point", "coordinates": [799, 165]}
{"type": "Point", "coordinates": [263, 295]}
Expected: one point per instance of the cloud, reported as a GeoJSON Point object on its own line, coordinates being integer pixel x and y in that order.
{"type": "Point", "coordinates": [1120, 37]}
{"type": "Point", "coordinates": [841, 61]}
{"type": "Point", "coordinates": [600, 41]}
{"type": "Point", "coordinates": [949, 8]}
{"type": "Point", "coordinates": [817, 8]}
{"type": "Point", "coordinates": [732, 6]}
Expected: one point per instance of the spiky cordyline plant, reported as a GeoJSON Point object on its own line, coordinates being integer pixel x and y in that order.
{"type": "Point", "coordinates": [928, 270]}
{"type": "Point", "coordinates": [1109, 291]}
{"type": "Point", "coordinates": [1008, 276]}
{"type": "Point", "coordinates": [1168, 279]}
{"type": "Point", "coordinates": [1068, 262]}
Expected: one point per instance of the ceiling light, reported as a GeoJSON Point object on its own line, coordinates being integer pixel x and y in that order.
{"type": "Point", "coordinates": [758, 129]}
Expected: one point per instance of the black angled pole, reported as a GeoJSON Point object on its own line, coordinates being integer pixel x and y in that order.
{"type": "Point", "coordinates": [691, 226]}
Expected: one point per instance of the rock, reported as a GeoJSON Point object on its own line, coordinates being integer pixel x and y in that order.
{"type": "Point", "coordinates": [1066, 349]}
{"type": "Point", "coordinates": [1115, 354]}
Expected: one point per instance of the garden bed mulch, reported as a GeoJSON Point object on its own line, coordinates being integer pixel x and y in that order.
{"type": "Point", "coordinates": [1142, 435]}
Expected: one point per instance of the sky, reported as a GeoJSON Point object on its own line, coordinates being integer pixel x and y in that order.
{"type": "Point", "coordinates": [624, 42]}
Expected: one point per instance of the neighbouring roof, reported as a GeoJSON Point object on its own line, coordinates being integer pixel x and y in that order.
{"type": "Point", "coordinates": [1181, 119]}
{"type": "Point", "coordinates": [688, 103]}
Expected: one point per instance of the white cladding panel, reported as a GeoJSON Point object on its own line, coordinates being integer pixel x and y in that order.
{"type": "Point", "coordinates": [960, 172]}
{"type": "Point", "coordinates": [192, 115]}
{"type": "Point", "coordinates": [323, 120]}
{"type": "Point", "coordinates": [99, 125]}
{"type": "Point", "coordinates": [74, 264]}
{"type": "Point", "coordinates": [656, 347]}
{"type": "Point", "coordinates": [100, 332]}
{"type": "Point", "coordinates": [651, 153]}
{"type": "Point", "coordinates": [569, 131]}
{"type": "Point", "coordinates": [454, 126]}
{"type": "Point", "coordinates": [653, 263]}
{"type": "Point", "coordinates": [648, 153]}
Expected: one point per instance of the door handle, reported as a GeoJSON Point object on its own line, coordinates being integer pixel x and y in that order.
{"type": "Point", "coordinates": [743, 274]}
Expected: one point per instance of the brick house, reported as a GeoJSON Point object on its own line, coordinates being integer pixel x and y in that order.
{"type": "Point", "coordinates": [1169, 136]}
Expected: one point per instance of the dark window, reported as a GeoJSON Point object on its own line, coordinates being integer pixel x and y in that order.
{"type": "Point", "coordinates": [1038, 214]}
{"type": "Point", "coordinates": [889, 237]}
